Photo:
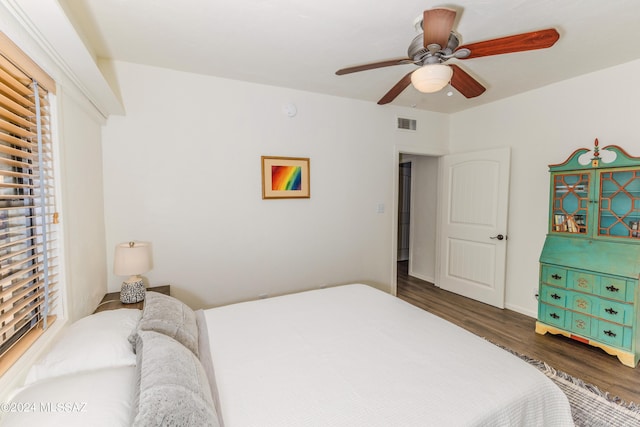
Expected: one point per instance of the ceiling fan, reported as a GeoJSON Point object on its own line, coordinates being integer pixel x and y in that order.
{"type": "Point", "coordinates": [438, 43]}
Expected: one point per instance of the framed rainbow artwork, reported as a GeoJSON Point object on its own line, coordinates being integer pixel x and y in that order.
{"type": "Point", "coordinates": [285, 177]}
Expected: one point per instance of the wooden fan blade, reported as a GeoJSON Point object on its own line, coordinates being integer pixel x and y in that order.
{"type": "Point", "coordinates": [464, 83]}
{"type": "Point", "coordinates": [519, 43]}
{"type": "Point", "coordinates": [374, 65]}
{"type": "Point", "coordinates": [437, 25]}
{"type": "Point", "coordinates": [396, 90]}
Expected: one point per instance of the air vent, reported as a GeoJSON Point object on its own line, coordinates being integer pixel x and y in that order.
{"type": "Point", "coordinates": [406, 124]}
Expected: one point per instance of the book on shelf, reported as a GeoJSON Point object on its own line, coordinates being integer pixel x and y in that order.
{"type": "Point", "coordinates": [559, 223]}
{"type": "Point", "coordinates": [572, 225]}
{"type": "Point", "coordinates": [569, 223]}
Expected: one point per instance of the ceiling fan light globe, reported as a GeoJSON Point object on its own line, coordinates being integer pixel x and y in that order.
{"type": "Point", "coordinates": [431, 77]}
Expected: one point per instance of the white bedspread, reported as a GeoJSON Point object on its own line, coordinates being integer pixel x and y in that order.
{"type": "Point", "coordinates": [355, 356]}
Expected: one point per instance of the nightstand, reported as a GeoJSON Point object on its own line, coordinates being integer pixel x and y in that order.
{"type": "Point", "coordinates": [111, 301]}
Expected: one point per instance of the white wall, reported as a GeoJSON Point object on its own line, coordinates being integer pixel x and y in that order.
{"type": "Point", "coordinates": [182, 170]}
{"type": "Point", "coordinates": [543, 127]}
{"type": "Point", "coordinates": [82, 201]}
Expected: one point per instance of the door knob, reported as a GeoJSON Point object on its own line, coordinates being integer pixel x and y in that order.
{"type": "Point", "coordinates": [499, 237]}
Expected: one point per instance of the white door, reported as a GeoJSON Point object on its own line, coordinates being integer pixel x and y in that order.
{"type": "Point", "coordinates": [473, 224]}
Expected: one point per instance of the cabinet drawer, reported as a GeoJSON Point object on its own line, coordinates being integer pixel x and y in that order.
{"type": "Point", "coordinates": [582, 302]}
{"type": "Point", "coordinates": [581, 281]}
{"type": "Point", "coordinates": [582, 324]}
{"type": "Point", "coordinates": [553, 315]}
{"type": "Point", "coordinates": [615, 335]}
{"type": "Point", "coordinates": [555, 296]}
{"type": "Point", "coordinates": [616, 312]}
{"type": "Point", "coordinates": [616, 288]}
{"type": "Point", "coordinates": [554, 275]}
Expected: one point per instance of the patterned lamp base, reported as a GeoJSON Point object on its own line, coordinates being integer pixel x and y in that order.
{"type": "Point", "coordinates": [132, 291]}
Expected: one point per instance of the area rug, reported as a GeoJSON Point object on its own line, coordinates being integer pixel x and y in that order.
{"type": "Point", "coordinates": [590, 406]}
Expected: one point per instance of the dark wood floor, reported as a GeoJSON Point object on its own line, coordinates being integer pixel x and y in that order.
{"type": "Point", "coordinates": [517, 332]}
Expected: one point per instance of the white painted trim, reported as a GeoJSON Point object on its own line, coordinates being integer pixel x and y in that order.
{"type": "Point", "coordinates": [50, 27]}
{"type": "Point", "coordinates": [393, 282]}
{"type": "Point", "coordinates": [420, 151]}
{"type": "Point", "coordinates": [439, 200]}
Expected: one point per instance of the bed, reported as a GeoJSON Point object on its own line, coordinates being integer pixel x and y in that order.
{"type": "Point", "coordinates": [343, 356]}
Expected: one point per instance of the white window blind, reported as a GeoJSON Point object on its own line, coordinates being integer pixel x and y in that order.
{"type": "Point", "coordinates": [28, 248]}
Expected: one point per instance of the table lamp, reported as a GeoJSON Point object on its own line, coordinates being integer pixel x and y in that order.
{"type": "Point", "coordinates": [132, 259]}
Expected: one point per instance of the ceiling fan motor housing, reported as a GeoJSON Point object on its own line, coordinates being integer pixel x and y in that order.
{"type": "Point", "coordinates": [434, 53]}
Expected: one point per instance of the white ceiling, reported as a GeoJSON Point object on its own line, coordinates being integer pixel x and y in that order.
{"type": "Point", "coordinates": [300, 44]}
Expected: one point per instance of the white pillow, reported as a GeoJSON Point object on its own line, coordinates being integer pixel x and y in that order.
{"type": "Point", "coordinates": [93, 342]}
{"type": "Point", "coordinates": [101, 398]}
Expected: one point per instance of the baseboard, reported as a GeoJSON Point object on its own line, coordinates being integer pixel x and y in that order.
{"type": "Point", "coordinates": [521, 310]}
{"type": "Point", "coordinates": [421, 277]}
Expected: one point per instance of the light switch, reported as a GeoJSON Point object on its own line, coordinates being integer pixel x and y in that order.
{"type": "Point", "coordinates": [380, 208]}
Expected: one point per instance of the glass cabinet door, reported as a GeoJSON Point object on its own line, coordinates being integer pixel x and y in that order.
{"type": "Point", "coordinates": [619, 208]}
{"type": "Point", "coordinates": [570, 204]}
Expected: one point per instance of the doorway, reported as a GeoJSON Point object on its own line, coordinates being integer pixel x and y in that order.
{"type": "Point", "coordinates": [404, 210]}
{"type": "Point", "coordinates": [417, 216]}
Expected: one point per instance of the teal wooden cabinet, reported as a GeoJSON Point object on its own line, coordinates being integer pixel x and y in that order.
{"type": "Point", "coordinates": [590, 262]}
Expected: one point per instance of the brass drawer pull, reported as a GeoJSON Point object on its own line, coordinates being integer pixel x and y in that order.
{"type": "Point", "coordinates": [612, 288]}
{"type": "Point", "coordinates": [556, 276]}
{"type": "Point", "coordinates": [555, 316]}
{"type": "Point", "coordinates": [555, 296]}
{"type": "Point", "coordinates": [610, 333]}
{"type": "Point", "coordinates": [611, 311]}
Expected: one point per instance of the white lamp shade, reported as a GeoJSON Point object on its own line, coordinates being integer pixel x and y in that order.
{"type": "Point", "coordinates": [132, 258]}
{"type": "Point", "coordinates": [431, 77]}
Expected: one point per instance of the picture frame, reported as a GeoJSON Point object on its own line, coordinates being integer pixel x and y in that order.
{"type": "Point", "coordinates": [285, 177]}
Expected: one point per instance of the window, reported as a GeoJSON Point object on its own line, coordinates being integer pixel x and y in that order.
{"type": "Point", "coordinates": [28, 261]}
